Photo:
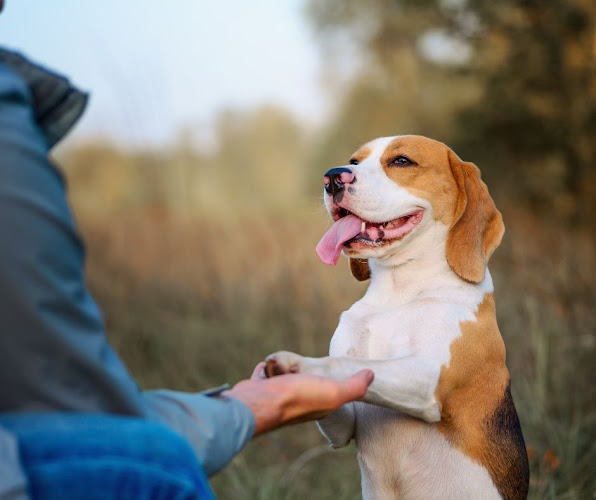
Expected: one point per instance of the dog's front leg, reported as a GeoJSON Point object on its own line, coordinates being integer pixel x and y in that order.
{"type": "Point", "coordinates": [406, 384]}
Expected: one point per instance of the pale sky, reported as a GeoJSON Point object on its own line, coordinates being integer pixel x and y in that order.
{"type": "Point", "coordinates": [154, 66]}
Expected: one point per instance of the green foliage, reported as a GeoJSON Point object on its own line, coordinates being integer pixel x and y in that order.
{"type": "Point", "coordinates": [539, 100]}
{"type": "Point", "coordinates": [521, 100]}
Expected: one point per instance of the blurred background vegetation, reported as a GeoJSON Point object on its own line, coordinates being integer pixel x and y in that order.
{"type": "Point", "coordinates": [203, 258]}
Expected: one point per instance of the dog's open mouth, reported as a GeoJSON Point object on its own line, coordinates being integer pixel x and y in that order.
{"type": "Point", "coordinates": [349, 229]}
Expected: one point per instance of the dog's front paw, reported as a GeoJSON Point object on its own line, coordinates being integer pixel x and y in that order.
{"type": "Point", "coordinates": [282, 362]}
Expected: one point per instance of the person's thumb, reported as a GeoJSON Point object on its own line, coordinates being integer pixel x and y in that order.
{"type": "Point", "coordinates": [259, 372]}
{"type": "Point", "coordinates": [355, 387]}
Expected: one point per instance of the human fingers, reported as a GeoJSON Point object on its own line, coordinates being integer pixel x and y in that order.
{"type": "Point", "coordinates": [312, 397]}
{"type": "Point", "coordinates": [354, 387]}
{"type": "Point", "coordinates": [294, 398]}
{"type": "Point", "coordinates": [325, 394]}
{"type": "Point", "coordinates": [259, 372]}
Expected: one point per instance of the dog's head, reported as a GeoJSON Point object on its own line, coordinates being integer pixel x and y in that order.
{"type": "Point", "coordinates": [395, 189]}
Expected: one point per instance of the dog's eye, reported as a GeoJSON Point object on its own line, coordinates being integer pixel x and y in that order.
{"type": "Point", "coordinates": [401, 161]}
{"type": "Point", "coordinates": [353, 161]}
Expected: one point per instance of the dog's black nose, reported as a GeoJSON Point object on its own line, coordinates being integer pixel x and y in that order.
{"type": "Point", "coordinates": [335, 180]}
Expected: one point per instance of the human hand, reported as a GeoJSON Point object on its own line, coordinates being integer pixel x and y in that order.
{"type": "Point", "coordinates": [294, 398]}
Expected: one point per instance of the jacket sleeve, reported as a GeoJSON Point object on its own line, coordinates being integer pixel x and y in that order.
{"type": "Point", "coordinates": [217, 427]}
{"type": "Point", "coordinates": [53, 351]}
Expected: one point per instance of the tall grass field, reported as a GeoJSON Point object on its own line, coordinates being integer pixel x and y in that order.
{"type": "Point", "coordinates": [190, 303]}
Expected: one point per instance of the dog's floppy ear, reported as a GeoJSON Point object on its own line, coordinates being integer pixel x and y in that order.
{"type": "Point", "coordinates": [477, 227]}
{"type": "Point", "coordinates": [360, 269]}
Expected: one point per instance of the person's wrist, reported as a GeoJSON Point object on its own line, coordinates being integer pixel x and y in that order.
{"type": "Point", "coordinates": [269, 408]}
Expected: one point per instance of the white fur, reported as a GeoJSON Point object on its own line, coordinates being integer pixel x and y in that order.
{"type": "Point", "coordinates": [402, 329]}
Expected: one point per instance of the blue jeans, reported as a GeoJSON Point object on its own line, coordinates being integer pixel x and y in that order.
{"type": "Point", "coordinates": [99, 456]}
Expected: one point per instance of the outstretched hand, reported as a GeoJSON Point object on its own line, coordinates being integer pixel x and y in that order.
{"type": "Point", "coordinates": [293, 398]}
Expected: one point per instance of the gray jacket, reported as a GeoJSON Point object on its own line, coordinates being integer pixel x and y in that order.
{"type": "Point", "coordinates": [53, 350]}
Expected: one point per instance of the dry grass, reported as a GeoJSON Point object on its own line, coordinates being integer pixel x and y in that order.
{"type": "Point", "coordinates": [190, 304]}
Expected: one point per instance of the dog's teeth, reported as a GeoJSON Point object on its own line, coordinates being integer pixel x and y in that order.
{"type": "Point", "coordinates": [388, 224]}
{"type": "Point", "coordinates": [363, 227]}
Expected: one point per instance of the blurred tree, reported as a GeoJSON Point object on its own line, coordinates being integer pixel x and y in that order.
{"type": "Point", "coordinates": [537, 64]}
{"type": "Point", "coordinates": [377, 46]}
{"type": "Point", "coordinates": [259, 161]}
{"type": "Point", "coordinates": [257, 164]}
{"type": "Point", "coordinates": [511, 84]}
{"type": "Point", "coordinates": [107, 181]}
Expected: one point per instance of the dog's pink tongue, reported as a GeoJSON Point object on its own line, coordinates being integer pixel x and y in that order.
{"type": "Point", "coordinates": [343, 230]}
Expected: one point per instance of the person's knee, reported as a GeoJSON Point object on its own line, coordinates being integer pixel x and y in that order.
{"type": "Point", "coordinates": [104, 456]}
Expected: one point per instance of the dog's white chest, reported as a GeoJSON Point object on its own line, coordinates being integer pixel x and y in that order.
{"type": "Point", "coordinates": [370, 334]}
{"type": "Point", "coordinates": [425, 326]}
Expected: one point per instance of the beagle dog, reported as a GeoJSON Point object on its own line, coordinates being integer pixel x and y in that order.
{"type": "Point", "coordinates": [438, 422]}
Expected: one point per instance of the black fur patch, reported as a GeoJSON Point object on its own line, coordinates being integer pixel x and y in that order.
{"type": "Point", "coordinates": [506, 455]}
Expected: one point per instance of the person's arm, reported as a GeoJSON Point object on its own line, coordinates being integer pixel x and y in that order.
{"type": "Point", "coordinates": [54, 355]}
{"type": "Point", "coordinates": [53, 352]}
{"type": "Point", "coordinates": [218, 427]}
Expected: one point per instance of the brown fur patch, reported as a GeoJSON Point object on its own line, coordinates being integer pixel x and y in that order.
{"type": "Point", "coordinates": [478, 225]}
{"type": "Point", "coordinates": [362, 154]}
{"type": "Point", "coordinates": [477, 412]}
{"type": "Point", "coordinates": [459, 198]}
{"type": "Point", "coordinates": [430, 178]}
{"type": "Point", "coordinates": [360, 269]}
